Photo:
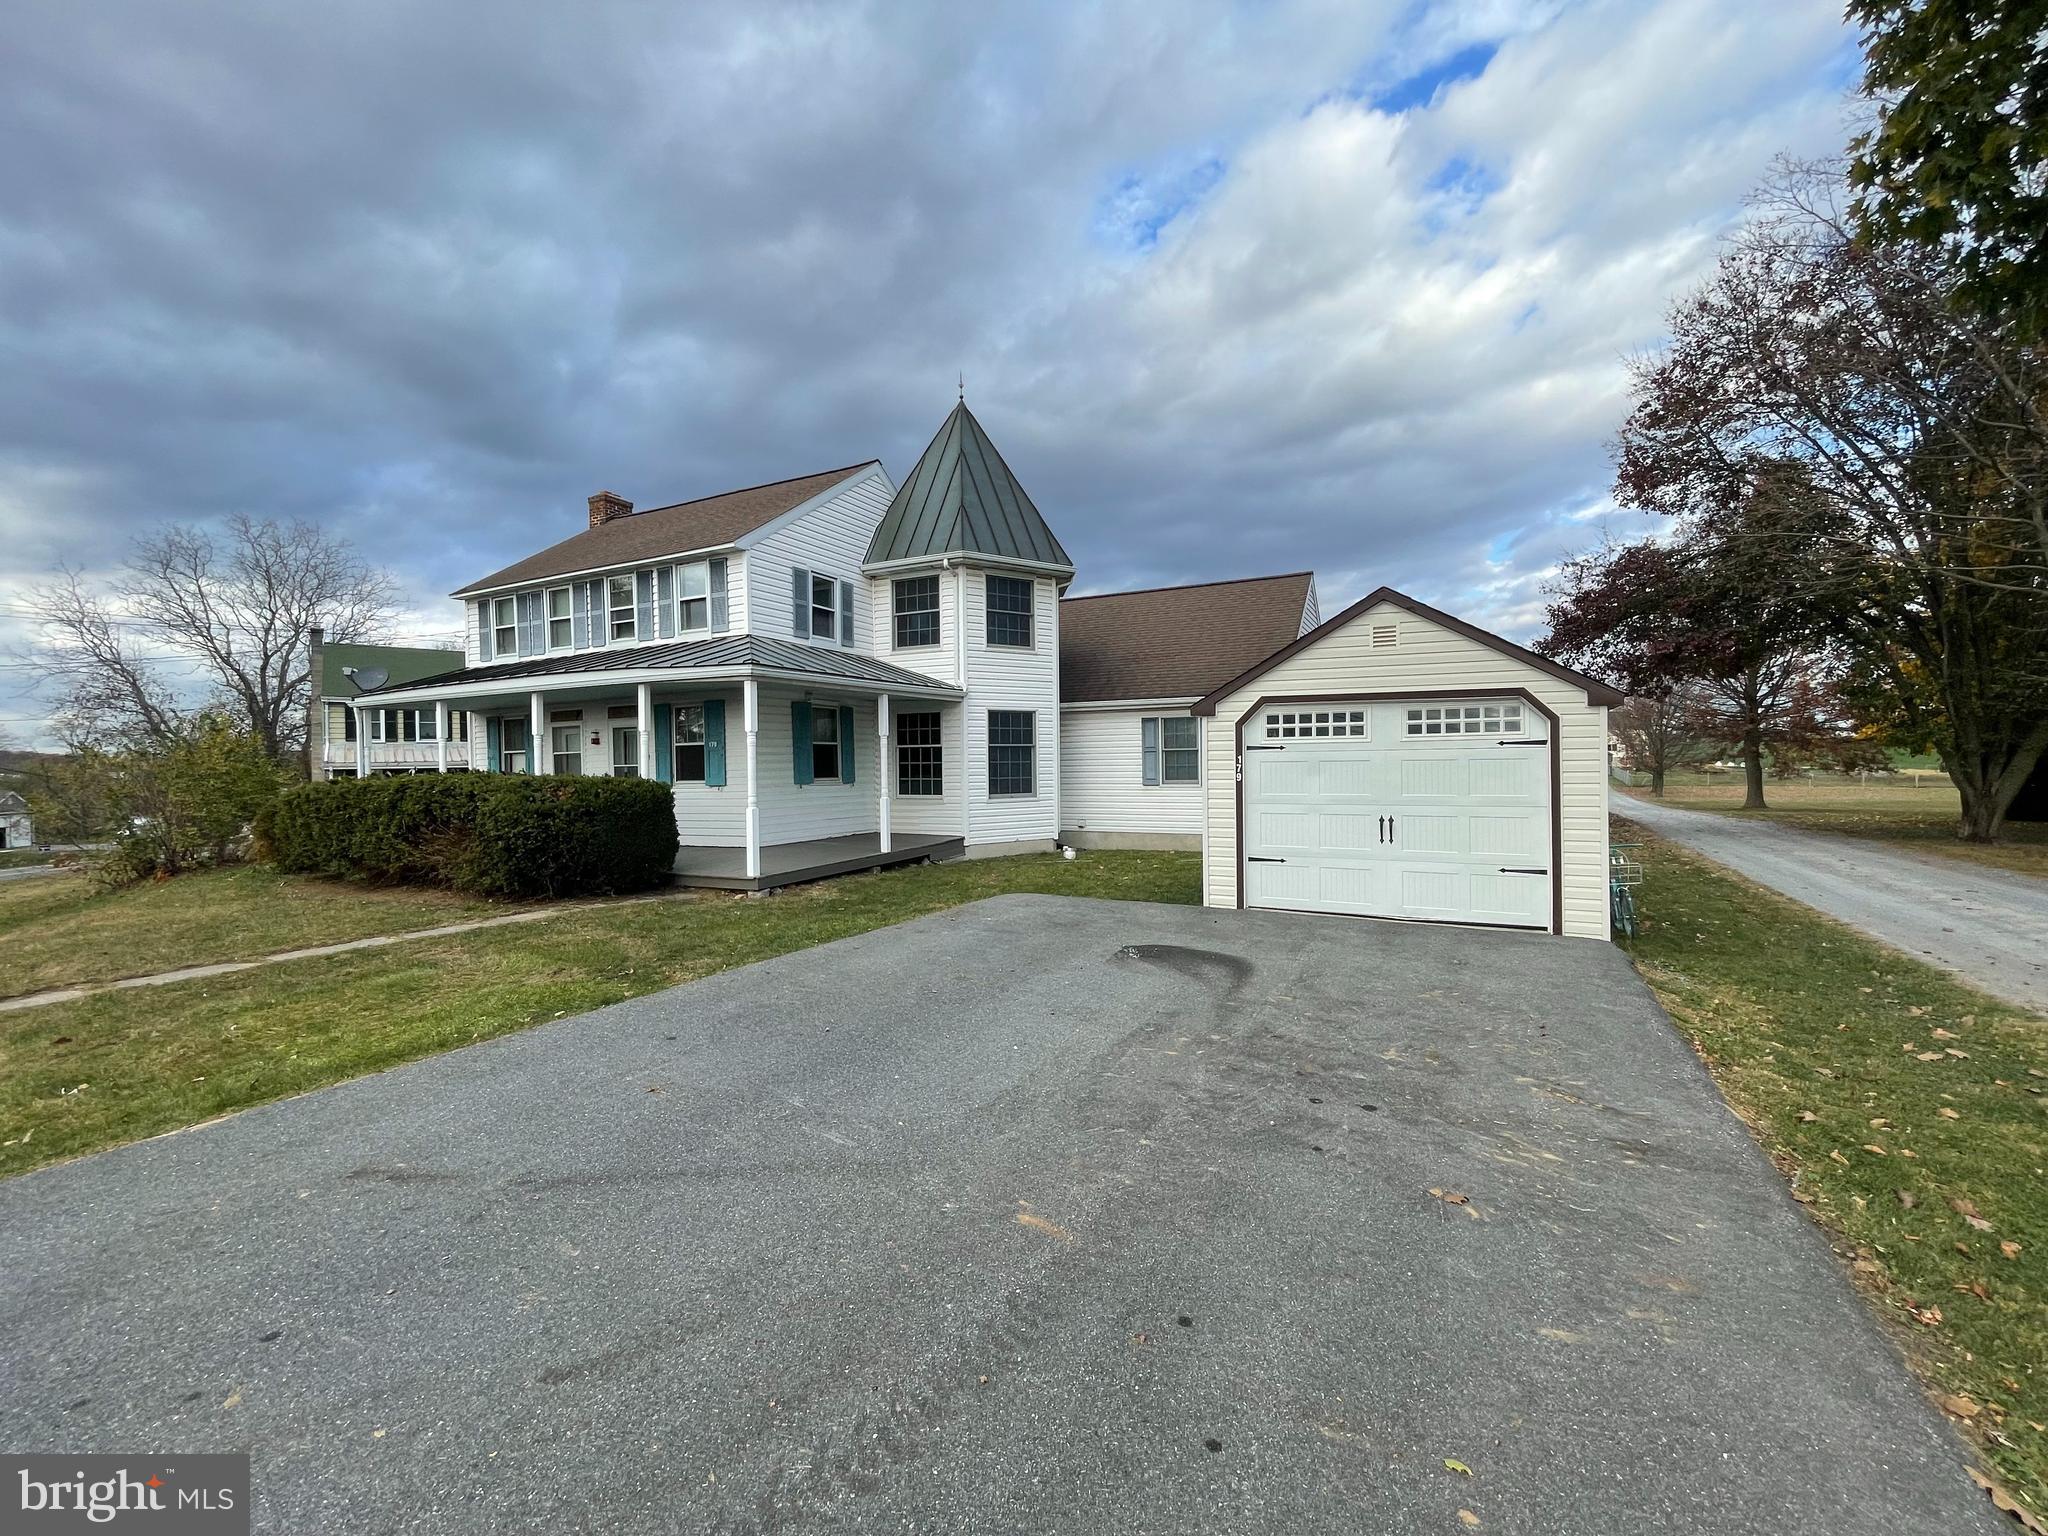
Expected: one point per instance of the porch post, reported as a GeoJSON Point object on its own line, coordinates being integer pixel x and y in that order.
{"type": "Point", "coordinates": [750, 697]}
{"type": "Point", "coordinates": [362, 743]}
{"type": "Point", "coordinates": [643, 702]}
{"type": "Point", "coordinates": [441, 734]}
{"type": "Point", "coordinates": [882, 763]}
{"type": "Point", "coordinates": [536, 733]}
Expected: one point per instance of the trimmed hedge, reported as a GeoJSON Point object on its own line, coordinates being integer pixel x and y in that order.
{"type": "Point", "coordinates": [486, 834]}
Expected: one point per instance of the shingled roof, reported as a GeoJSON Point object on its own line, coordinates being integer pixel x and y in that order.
{"type": "Point", "coordinates": [706, 523]}
{"type": "Point", "coordinates": [962, 499]}
{"type": "Point", "coordinates": [1175, 642]}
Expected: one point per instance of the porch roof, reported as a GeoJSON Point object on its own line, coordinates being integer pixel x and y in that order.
{"type": "Point", "coordinates": [723, 656]}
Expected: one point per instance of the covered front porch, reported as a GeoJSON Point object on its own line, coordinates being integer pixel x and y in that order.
{"type": "Point", "coordinates": [780, 757]}
{"type": "Point", "coordinates": [815, 858]}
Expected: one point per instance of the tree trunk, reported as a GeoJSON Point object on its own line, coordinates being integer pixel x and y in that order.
{"type": "Point", "coordinates": [1657, 781]}
{"type": "Point", "coordinates": [1988, 789]}
{"type": "Point", "coordinates": [1753, 770]}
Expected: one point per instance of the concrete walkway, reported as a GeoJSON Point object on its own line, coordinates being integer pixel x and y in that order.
{"type": "Point", "coordinates": [1987, 926]}
{"type": "Point", "coordinates": [378, 941]}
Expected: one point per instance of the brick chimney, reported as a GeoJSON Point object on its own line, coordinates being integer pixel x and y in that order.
{"type": "Point", "coordinates": [606, 505]}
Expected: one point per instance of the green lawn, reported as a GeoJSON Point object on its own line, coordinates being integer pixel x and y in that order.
{"type": "Point", "coordinates": [57, 931]}
{"type": "Point", "coordinates": [1920, 820]}
{"type": "Point", "coordinates": [14, 858]}
{"type": "Point", "coordinates": [1910, 1113]}
{"type": "Point", "coordinates": [76, 1077]}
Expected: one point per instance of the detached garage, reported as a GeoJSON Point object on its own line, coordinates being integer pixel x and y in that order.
{"type": "Point", "coordinates": [1397, 762]}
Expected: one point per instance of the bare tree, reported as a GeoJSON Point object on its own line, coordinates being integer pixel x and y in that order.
{"type": "Point", "coordinates": [1662, 734]}
{"type": "Point", "coordinates": [239, 607]}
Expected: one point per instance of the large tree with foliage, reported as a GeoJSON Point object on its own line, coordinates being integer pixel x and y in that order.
{"type": "Point", "coordinates": [233, 609]}
{"type": "Point", "coordinates": [1958, 159]}
{"type": "Point", "coordinates": [1920, 531]}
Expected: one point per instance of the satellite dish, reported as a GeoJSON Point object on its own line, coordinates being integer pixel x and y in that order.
{"type": "Point", "coordinates": [368, 678]}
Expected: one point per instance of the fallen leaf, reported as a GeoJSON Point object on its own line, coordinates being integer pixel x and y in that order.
{"type": "Point", "coordinates": [1837, 1156]}
{"type": "Point", "coordinates": [1945, 1034]}
{"type": "Point", "coordinates": [1916, 1011]}
{"type": "Point", "coordinates": [1959, 1055]}
{"type": "Point", "coordinates": [1880, 1124]}
{"type": "Point", "coordinates": [1451, 1197]}
{"type": "Point", "coordinates": [2005, 1503]}
{"type": "Point", "coordinates": [1466, 1517]}
{"type": "Point", "coordinates": [1962, 1407]}
{"type": "Point", "coordinates": [1453, 1464]}
{"type": "Point", "coordinates": [1929, 1317]}
{"type": "Point", "coordinates": [1905, 1198]}
{"type": "Point", "coordinates": [1928, 1056]}
{"type": "Point", "coordinates": [1871, 1146]}
{"type": "Point", "coordinates": [1975, 1288]}
{"type": "Point", "coordinates": [2010, 1249]}
{"type": "Point", "coordinates": [1947, 1114]}
{"type": "Point", "coordinates": [1808, 1116]}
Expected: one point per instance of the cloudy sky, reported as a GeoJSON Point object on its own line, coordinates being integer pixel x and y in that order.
{"type": "Point", "coordinates": [1236, 287]}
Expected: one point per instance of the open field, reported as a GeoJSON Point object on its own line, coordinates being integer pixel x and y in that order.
{"type": "Point", "coordinates": [75, 1077]}
{"type": "Point", "coordinates": [1910, 1114]}
{"type": "Point", "coordinates": [1919, 820]}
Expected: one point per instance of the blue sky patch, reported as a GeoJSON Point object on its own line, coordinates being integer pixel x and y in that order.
{"type": "Point", "coordinates": [1420, 88]}
{"type": "Point", "coordinates": [1132, 214]}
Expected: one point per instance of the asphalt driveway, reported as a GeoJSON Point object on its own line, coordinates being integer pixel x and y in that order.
{"type": "Point", "coordinates": [1035, 1215]}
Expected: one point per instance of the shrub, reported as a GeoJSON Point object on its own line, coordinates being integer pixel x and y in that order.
{"type": "Point", "coordinates": [183, 801]}
{"type": "Point", "coordinates": [486, 834]}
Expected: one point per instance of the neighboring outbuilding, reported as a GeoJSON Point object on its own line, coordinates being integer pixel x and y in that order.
{"type": "Point", "coordinates": [16, 830]}
{"type": "Point", "coordinates": [340, 744]}
{"type": "Point", "coordinates": [1400, 762]}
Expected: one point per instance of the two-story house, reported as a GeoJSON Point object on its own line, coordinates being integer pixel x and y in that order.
{"type": "Point", "coordinates": [839, 672]}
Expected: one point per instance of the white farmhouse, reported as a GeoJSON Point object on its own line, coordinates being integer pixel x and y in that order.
{"type": "Point", "coordinates": [16, 830]}
{"type": "Point", "coordinates": [839, 672]}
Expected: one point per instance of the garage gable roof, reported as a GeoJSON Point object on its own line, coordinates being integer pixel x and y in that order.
{"type": "Point", "coordinates": [1597, 692]}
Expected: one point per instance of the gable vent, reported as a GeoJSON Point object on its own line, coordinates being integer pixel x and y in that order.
{"type": "Point", "coordinates": [1385, 636]}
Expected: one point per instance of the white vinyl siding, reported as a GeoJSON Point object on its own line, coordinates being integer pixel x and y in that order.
{"type": "Point", "coordinates": [715, 815]}
{"type": "Point", "coordinates": [830, 540]}
{"type": "Point", "coordinates": [1102, 786]}
{"type": "Point", "coordinates": [792, 812]}
{"type": "Point", "coordinates": [930, 815]}
{"type": "Point", "coordinates": [1428, 658]}
{"type": "Point", "coordinates": [1004, 678]}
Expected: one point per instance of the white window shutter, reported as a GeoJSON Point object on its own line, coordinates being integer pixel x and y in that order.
{"type": "Point", "coordinates": [721, 603]}
{"type": "Point", "coordinates": [846, 613]}
{"type": "Point", "coordinates": [1149, 747]}
{"type": "Point", "coordinates": [800, 599]}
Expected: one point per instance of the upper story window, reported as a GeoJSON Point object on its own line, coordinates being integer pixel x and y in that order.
{"type": "Point", "coordinates": [504, 627]}
{"type": "Point", "coordinates": [1009, 611]}
{"type": "Point", "coordinates": [825, 611]}
{"type": "Point", "coordinates": [693, 596]}
{"type": "Point", "coordinates": [561, 629]}
{"type": "Point", "coordinates": [917, 611]}
{"type": "Point", "coordinates": [620, 602]}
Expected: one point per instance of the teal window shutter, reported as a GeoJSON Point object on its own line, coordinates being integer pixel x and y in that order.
{"type": "Point", "coordinates": [714, 741]}
{"type": "Point", "coordinates": [1149, 748]}
{"type": "Point", "coordinates": [800, 740]}
{"type": "Point", "coordinates": [494, 739]}
{"type": "Point", "coordinates": [846, 744]}
{"type": "Point", "coordinates": [664, 742]}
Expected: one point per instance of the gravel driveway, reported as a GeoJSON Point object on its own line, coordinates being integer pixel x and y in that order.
{"type": "Point", "coordinates": [1988, 926]}
{"type": "Point", "coordinates": [1038, 1215]}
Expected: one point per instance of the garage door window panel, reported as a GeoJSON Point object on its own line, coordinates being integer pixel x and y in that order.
{"type": "Point", "coordinates": [1495, 719]}
{"type": "Point", "coordinates": [1292, 724]}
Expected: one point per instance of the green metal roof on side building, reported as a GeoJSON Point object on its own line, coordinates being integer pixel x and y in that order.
{"type": "Point", "coordinates": [962, 499]}
{"type": "Point", "coordinates": [341, 663]}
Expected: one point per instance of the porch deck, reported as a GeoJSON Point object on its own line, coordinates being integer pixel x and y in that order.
{"type": "Point", "coordinates": [725, 869]}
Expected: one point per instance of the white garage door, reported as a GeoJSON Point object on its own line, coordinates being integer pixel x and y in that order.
{"type": "Point", "coordinates": [1437, 809]}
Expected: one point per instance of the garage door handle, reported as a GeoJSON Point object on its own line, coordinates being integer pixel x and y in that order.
{"type": "Point", "coordinates": [1253, 858]}
{"type": "Point", "coordinates": [1521, 743]}
{"type": "Point", "coordinates": [1525, 871]}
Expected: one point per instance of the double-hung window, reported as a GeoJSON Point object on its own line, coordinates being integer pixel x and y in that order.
{"type": "Point", "coordinates": [1012, 752]}
{"type": "Point", "coordinates": [920, 754]}
{"type": "Point", "coordinates": [825, 616]}
{"type": "Point", "coordinates": [693, 597]}
{"type": "Point", "coordinates": [561, 626]}
{"type": "Point", "coordinates": [689, 765]}
{"type": "Point", "coordinates": [1172, 752]}
{"type": "Point", "coordinates": [621, 603]}
{"type": "Point", "coordinates": [512, 742]}
{"type": "Point", "coordinates": [1009, 611]}
{"type": "Point", "coordinates": [567, 744]}
{"type": "Point", "coordinates": [824, 744]}
{"type": "Point", "coordinates": [625, 751]}
{"type": "Point", "coordinates": [504, 627]}
{"type": "Point", "coordinates": [425, 728]}
{"type": "Point", "coordinates": [917, 611]}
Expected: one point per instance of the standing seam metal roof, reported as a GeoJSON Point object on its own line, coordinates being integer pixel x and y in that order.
{"type": "Point", "coordinates": [962, 499]}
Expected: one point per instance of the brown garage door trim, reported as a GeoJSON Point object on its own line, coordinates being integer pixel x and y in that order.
{"type": "Point", "coordinates": [1267, 701]}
